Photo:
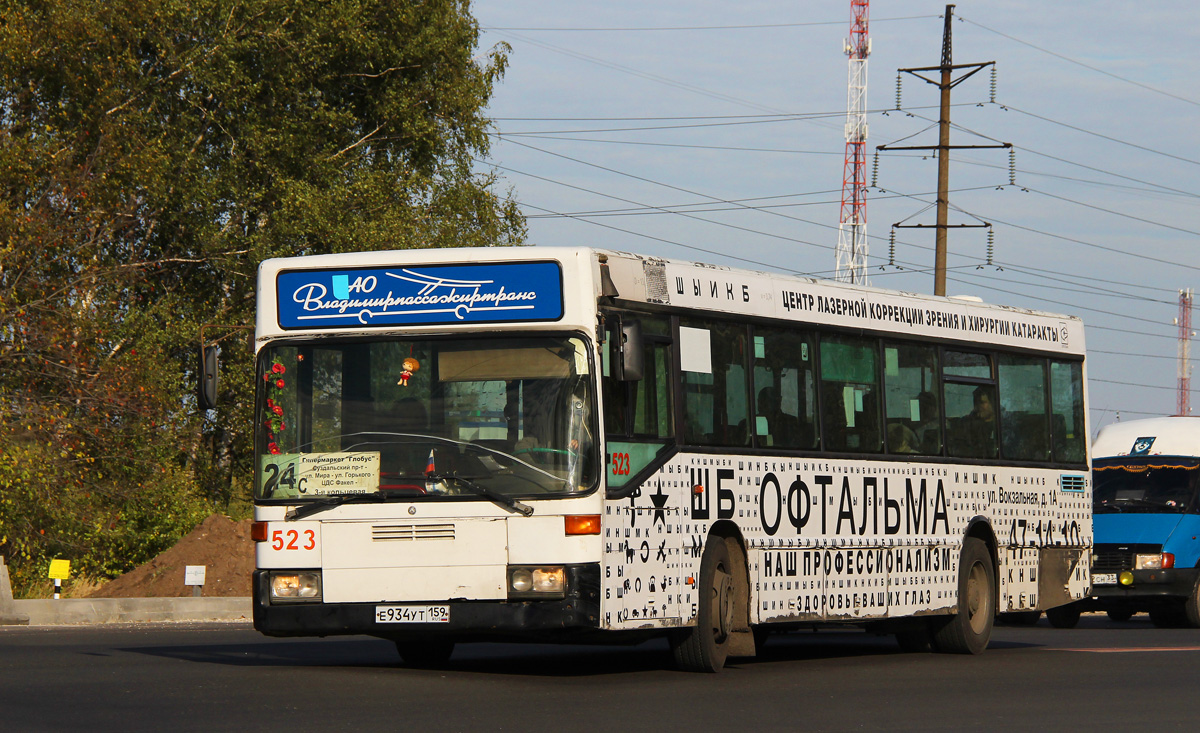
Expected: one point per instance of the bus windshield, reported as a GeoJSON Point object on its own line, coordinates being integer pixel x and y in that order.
{"type": "Point", "coordinates": [456, 419]}
{"type": "Point", "coordinates": [1144, 488]}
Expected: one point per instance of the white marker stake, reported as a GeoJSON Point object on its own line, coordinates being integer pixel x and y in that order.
{"type": "Point", "coordinates": [193, 575]}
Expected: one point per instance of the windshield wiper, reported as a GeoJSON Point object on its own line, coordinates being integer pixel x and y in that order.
{"type": "Point", "coordinates": [329, 502]}
{"type": "Point", "coordinates": [496, 498]}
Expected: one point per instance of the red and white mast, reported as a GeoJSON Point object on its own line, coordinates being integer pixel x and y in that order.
{"type": "Point", "coordinates": [1183, 404]}
{"type": "Point", "coordinates": [852, 229]}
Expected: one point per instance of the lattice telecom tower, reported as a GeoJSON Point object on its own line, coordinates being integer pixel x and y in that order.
{"type": "Point", "coordinates": [852, 229]}
{"type": "Point", "coordinates": [1183, 404]}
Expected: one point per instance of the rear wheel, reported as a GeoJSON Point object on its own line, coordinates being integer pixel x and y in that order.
{"type": "Point", "coordinates": [427, 653]}
{"type": "Point", "coordinates": [968, 631]}
{"type": "Point", "coordinates": [1063, 617]}
{"type": "Point", "coordinates": [704, 647]}
{"type": "Point", "coordinates": [914, 640]}
{"type": "Point", "coordinates": [1120, 615]}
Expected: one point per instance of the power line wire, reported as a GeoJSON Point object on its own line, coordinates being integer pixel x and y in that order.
{"type": "Point", "coordinates": [753, 26]}
{"type": "Point", "coordinates": [1068, 59]}
{"type": "Point", "coordinates": [1102, 136]}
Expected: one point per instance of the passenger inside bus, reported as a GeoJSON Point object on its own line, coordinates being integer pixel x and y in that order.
{"type": "Point", "coordinates": [974, 434]}
{"type": "Point", "coordinates": [776, 428]}
{"type": "Point", "coordinates": [928, 428]}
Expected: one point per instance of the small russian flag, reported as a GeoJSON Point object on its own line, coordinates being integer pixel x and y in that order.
{"type": "Point", "coordinates": [429, 467]}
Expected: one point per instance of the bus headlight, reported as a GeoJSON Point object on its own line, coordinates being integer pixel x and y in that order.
{"type": "Point", "coordinates": [1158, 561]}
{"type": "Point", "coordinates": [547, 581]}
{"type": "Point", "coordinates": [296, 587]}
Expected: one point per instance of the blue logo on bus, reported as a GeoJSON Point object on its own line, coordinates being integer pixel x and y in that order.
{"type": "Point", "coordinates": [1142, 446]}
{"type": "Point", "coordinates": [420, 295]}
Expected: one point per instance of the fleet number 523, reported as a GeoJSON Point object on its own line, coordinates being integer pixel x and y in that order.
{"type": "Point", "coordinates": [292, 539]}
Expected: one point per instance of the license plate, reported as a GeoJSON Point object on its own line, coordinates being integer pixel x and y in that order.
{"type": "Point", "coordinates": [412, 614]}
{"type": "Point", "coordinates": [1104, 578]}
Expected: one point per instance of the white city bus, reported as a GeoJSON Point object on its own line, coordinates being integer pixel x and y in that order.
{"type": "Point", "coordinates": [579, 445]}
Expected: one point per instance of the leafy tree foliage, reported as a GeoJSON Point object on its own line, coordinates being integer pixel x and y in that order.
{"type": "Point", "coordinates": [152, 152]}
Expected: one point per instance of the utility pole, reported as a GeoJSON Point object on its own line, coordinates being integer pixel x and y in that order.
{"type": "Point", "coordinates": [851, 266]}
{"type": "Point", "coordinates": [945, 82]}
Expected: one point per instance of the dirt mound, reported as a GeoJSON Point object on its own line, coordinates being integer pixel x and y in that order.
{"type": "Point", "coordinates": [222, 545]}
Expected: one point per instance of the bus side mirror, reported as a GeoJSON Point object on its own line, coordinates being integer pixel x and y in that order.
{"type": "Point", "coordinates": [206, 397]}
{"type": "Point", "coordinates": [631, 351]}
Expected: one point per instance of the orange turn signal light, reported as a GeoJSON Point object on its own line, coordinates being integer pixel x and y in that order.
{"type": "Point", "coordinates": [582, 523]}
{"type": "Point", "coordinates": [258, 531]}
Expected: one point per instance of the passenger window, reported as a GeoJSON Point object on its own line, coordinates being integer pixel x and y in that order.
{"type": "Point", "coordinates": [850, 394]}
{"type": "Point", "coordinates": [652, 393]}
{"type": "Point", "coordinates": [913, 410]}
{"type": "Point", "coordinates": [712, 359]}
{"type": "Point", "coordinates": [1066, 411]}
{"type": "Point", "coordinates": [641, 408]}
{"type": "Point", "coordinates": [784, 389]}
{"type": "Point", "coordinates": [1024, 429]}
{"type": "Point", "coordinates": [970, 404]}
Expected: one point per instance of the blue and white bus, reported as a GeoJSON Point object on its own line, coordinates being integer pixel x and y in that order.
{"type": "Point", "coordinates": [1147, 521]}
{"type": "Point", "coordinates": [567, 444]}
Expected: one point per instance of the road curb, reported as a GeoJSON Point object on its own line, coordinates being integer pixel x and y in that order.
{"type": "Point", "coordinates": [67, 611]}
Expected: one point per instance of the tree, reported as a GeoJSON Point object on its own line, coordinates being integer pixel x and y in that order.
{"type": "Point", "coordinates": [152, 152]}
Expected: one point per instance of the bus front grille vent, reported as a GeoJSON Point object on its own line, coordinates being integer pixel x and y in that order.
{"type": "Point", "coordinates": [411, 532]}
{"type": "Point", "coordinates": [1111, 562]}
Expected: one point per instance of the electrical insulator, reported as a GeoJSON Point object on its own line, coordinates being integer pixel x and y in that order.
{"type": "Point", "coordinates": [992, 95]}
{"type": "Point", "coordinates": [875, 171]}
{"type": "Point", "coordinates": [898, 92]}
{"type": "Point", "coordinates": [1012, 166]}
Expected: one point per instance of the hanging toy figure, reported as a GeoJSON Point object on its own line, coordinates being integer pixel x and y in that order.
{"type": "Point", "coordinates": [409, 365]}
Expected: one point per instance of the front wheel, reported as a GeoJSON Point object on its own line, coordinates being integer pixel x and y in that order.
{"type": "Point", "coordinates": [1171, 615]}
{"type": "Point", "coordinates": [429, 653]}
{"type": "Point", "coordinates": [1063, 617]}
{"type": "Point", "coordinates": [704, 647]}
{"type": "Point", "coordinates": [1191, 607]}
{"type": "Point", "coordinates": [968, 631]}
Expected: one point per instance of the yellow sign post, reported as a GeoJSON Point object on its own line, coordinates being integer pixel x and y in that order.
{"type": "Point", "coordinates": [60, 570]}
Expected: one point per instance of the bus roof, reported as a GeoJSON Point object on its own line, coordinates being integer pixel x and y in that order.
{"type": "Point", "coordinates": [1175, 436]}
{"type": "Point", "coordinates": [793, 297]}
{"type": "Point", "coordinates": [1155, 436]}
{"type": "Point", "coordinates": [658, 281]}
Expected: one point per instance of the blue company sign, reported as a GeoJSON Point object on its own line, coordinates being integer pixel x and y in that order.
{"type": "Point", "coordinates": [420, 295]}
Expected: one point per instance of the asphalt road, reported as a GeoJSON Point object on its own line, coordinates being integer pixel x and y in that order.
{"type": "Point", "coordinates": [1101, 676]}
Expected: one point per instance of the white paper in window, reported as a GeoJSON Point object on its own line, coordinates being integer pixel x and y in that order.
{"type": "Point", "coordinates": [695, 350]}
{"type": "Point", "coordinates": [891, 362]}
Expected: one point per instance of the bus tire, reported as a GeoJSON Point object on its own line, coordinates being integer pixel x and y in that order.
{"type": "Point", "coordinates": [704, 647]}
{"type": "Point", "coordinates": [1169, 615]}
{"type": "Point", "coordinates": [427, 653]}
{"type": "Point", "coordinates": [1192, 606]}
{"type": "Point", "coordinates": [968, 631]}
{"type": "Point", "coordinates": [1021, 618]}
{"type": "Point", "coordinates": [1063, 617]}
{"type": "Point", "coordinates": [914, 641]}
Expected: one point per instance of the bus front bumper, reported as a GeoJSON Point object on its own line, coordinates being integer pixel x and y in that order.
{"type": "Point", "coordinates": [1148, 587]}
{"type": "Point", "coordinates": [578, 611]}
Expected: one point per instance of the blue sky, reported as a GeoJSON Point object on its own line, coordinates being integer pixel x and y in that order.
{"type": "Point", "coordinates": [714, 132]}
